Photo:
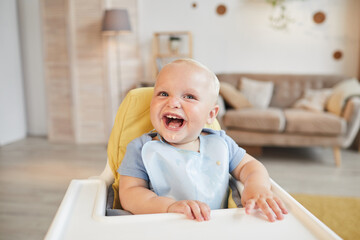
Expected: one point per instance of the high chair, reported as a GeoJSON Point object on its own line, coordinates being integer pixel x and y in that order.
{"type": "Point", "coordinates": [82, 213]}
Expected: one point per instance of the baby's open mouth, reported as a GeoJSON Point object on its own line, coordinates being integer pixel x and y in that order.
{"type": "Point", "coordinates": [173, 121]}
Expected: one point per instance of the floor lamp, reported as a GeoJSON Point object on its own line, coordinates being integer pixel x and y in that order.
{"type": "Point", "coordinates": [115, 23]}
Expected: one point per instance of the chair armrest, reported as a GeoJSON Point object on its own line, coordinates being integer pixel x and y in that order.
{"type": "Point", "coordinates": [296, 208]}
{"type": "Point", "coordinates": [106, 175]}
{"type": "Point", "coordinates": [84, 202]}
{"type": "Point", "coordinates": [351, 114]}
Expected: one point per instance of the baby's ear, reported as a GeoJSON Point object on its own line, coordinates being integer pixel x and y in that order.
{"type": "Point", "coordinates": [212, 114]}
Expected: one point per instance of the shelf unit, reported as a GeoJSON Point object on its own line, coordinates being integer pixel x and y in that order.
{"type": "Point", "coordinates": [168, 46]}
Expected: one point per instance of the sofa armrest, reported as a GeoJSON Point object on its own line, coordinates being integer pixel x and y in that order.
{"type": "Point", "coordinates": [350, 107]}
{"type": "Point", "coordinates": [351, 114]}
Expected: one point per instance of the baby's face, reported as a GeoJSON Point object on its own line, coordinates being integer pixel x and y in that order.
{"type": "Point", "coordinates": [184, 100]}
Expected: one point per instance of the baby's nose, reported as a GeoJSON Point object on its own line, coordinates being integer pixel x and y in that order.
{"type": "Point", "coordinates": [174, 102]}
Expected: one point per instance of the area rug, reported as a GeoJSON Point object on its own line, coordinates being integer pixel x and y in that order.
{"type": "Point", "coordinates": [341, 214]}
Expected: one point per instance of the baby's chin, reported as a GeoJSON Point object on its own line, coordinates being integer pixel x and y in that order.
{"type": "Point", "coordinates": [177, 140]}
{"type": "Point", "coordinates": [172, 138]}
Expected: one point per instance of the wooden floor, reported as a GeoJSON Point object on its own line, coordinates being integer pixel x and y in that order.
{"type": "Point", "coordinates": [34, 175]}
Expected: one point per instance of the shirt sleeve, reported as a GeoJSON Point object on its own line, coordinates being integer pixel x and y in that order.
{"type": "Point", "coordinates": [132, 164]}
{"type": "Point", "coordinates": [236, 153]}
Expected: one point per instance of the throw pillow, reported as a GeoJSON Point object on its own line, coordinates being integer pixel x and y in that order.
{"type": "Point", "coordinates": [233, 97]}
{"type": "Point", "coordinates": [258, 93]}
{"type": "Point", "coordinates": [314, 99]}
{"type": "Point", "coordinates": [342, 91]}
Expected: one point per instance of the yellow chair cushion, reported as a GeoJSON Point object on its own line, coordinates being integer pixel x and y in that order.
{"type": "Point", "coordinates": [133, 120]}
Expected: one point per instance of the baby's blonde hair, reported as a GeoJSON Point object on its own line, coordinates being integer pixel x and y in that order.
{"type": "Point", "coordinates": [212, 75]}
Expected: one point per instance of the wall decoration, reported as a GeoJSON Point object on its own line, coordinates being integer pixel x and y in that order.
{"type": "Point", "coordinates": [221, 9]}
{"type": "Point", "coordinates": [337, 55]}
{"type": "Point", "coordinates": [319, 17]}
{"type": "Point", "coordinates": [194, 5]}
{"type": "Point", "coordinates": [279, 19]}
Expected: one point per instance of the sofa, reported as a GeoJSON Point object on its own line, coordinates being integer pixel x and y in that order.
{"type": "Point", "coordinates": [286, 110]}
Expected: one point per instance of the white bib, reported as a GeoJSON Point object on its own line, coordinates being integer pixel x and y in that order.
{"type": "Point", "coordinates": [189, 175]}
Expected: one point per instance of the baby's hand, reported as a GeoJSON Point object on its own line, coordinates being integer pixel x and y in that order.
{"type": "Point", "coordinates": [257, 196]}
{"type": "Point", "coordinates": [192, 209]}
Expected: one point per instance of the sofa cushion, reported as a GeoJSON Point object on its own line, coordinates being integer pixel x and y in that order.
{"type": "Point", "coordinates": [233, 97]}
{"type": "Point", "coordinates": [287, 87]}
{"type": "Point", "coordinates": [255, 119]}
{"type": "Point", "coordinates": [258, 93]}
{"type": "Point", "coordinates": [307, 122]}
{"type": "Point", "coordinates": [314, 99]}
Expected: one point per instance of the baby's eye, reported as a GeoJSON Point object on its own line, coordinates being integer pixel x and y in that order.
{"type": "Point", "coordinates": [189, 96]}
{"type": "Point", "coordinates": [163, 94]}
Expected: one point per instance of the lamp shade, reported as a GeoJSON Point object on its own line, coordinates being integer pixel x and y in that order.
{"type": "Point", "coordinates": [116, 21]}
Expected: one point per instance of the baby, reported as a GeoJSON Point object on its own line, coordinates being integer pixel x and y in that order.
{"type": "Point", "coordinates": [183, 167]}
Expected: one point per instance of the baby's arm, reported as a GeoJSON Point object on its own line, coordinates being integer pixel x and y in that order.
{"type": "Point", "coordinates": [136, 198]}
{"type": "Point", "coordinates": [257, 189]}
